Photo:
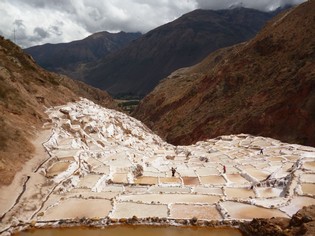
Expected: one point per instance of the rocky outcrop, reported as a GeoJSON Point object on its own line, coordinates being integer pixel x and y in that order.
{"type": "Point", "coordinates": [263, 87]}
{"type": "Point", "coordinates": [302, 223]}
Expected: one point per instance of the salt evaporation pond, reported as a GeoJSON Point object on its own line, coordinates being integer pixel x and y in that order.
{"type": "Point", "coordinates": [100, 164]}
{"type": "Point", "coordinates": [134, 231]}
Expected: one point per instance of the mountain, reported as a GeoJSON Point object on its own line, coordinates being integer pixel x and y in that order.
{"type": "Point", "coordinates": [265, 86]}
{"type": "Point", "coordinates": [67, 58]}
{"type": "Point", "coordinates": [137, 68]}
{"type": "Point", "coordinates": [25, 90]}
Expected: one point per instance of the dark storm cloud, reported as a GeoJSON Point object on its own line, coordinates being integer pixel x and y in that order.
{"type": "Point", "coordinates": [41, 32]}
{"type": "Point", "coordinates": [54, 21]}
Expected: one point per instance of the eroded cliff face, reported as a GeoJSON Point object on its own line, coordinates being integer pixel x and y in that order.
{"type": "Point", "coordinates": [25, 90]}
{"type": "Point", "coordinates": [265, 86]}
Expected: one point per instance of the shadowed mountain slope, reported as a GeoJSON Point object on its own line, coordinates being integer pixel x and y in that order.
{"type": "Point", "coordinates": [25, 90]}
{"type": "Point", "coordinates": [137, 68]}
{"type": "Point", "coordinates": [265, 86]}
{"type": "Point", "coordinates": [66, 58]}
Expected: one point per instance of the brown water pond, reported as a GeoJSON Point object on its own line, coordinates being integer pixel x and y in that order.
{"type": "Point", "coordinates": [134, 231]}
{"type": "Point", "coordinates": [57, 168]}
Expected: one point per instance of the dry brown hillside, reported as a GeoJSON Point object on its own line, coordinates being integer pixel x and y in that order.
{"type": "Point", "coordinates": [263, 87]}
{"type": "Point", "coordinates": [25, 89]}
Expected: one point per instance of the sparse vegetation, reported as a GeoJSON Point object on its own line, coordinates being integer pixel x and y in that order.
{"type": "Point", "coordinates": [128, 105]}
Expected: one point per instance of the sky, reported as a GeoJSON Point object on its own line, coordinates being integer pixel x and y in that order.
{"type": "Point", "coordinates": [36, 22]}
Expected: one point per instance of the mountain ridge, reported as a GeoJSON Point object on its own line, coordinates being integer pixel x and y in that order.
{"type": "Point", "coordinates": [66, 57]}
{"type": "Point", "coordinates": [136, 68]}
{"type": "Point", "coordinates": [139, 67]}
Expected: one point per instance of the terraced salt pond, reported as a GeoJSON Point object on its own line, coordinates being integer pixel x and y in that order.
{"type": "Point", "coordinates": [104, 165]}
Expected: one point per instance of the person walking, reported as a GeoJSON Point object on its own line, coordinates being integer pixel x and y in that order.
{"type": "Point", "coordinates": [224, 169]}
{"type": "Point", "coordinates": [173, 171]}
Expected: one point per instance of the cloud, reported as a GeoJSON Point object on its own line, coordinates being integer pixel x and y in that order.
{"type": "Point", "coordinates": [19, 24]}
{"type": "Point", "coordinates": [41, 32]}
{"type": "Point", "coordinates": [40, 21]}
{"type": "Point", "coordinates": [54, 29]}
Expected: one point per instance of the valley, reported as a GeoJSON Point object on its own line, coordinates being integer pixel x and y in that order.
{"type": "Point", "coordinates": [130, 64]}
{"type": "Point", "coordinates": [224, 146]}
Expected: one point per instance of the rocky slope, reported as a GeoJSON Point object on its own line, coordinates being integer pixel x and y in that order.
{"type": "Point", "coordinates": [66, 58]}
{"type": "Point", "coordinates": [138, 68]}
{"type": "Point", "coordinates": [264, 87]}
{"type": "Point", "coordinates": [25, 89]}
{"type": "Point", "coordinates": [301, 223]}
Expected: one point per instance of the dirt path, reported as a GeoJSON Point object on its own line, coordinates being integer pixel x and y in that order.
{"type": "Point", "coordinates": [8, 194]}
